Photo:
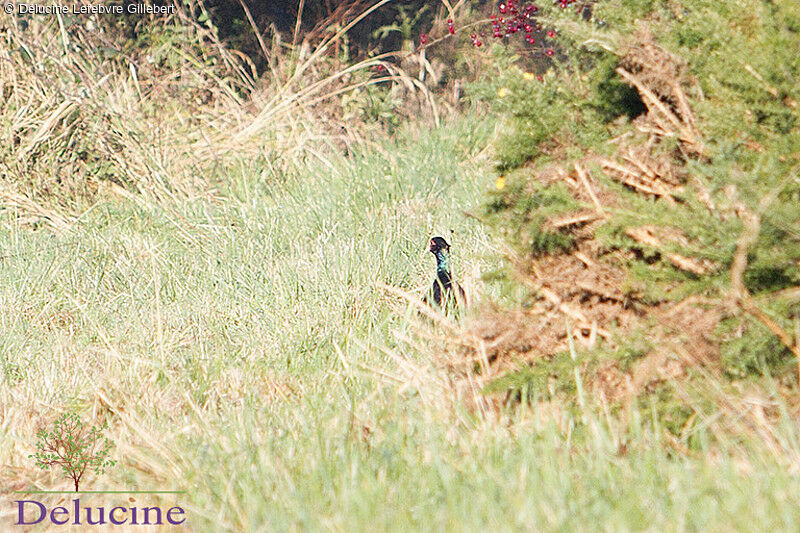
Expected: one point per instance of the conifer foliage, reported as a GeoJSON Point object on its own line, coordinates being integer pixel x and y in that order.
{"type": "Point", "coordinates": [663, 144]}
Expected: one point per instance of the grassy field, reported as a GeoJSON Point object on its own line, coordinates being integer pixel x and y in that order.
{"type": "Point", "coordinates": [215, 250]}
{"type": "Point", "coordinates": [242, 350]}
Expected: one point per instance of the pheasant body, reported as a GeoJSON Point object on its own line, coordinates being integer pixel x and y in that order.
{"type": "Point", "coordinates": [445, 293]}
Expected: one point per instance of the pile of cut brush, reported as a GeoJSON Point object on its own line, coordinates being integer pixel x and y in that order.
{"type": "Point", "coordinates": [636, 262]}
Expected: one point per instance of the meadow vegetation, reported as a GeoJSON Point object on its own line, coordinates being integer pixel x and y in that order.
{"type": "Point", "coordinates": [220, 255]}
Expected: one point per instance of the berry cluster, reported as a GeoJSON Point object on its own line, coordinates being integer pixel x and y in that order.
{"type": "Point", "coordinates": [565, 3]}
{"type": "Point", "coordinates": [515, 17]}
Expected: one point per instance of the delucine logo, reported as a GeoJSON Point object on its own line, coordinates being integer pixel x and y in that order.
{"type": "Point", "coordinates": [75, 448]}
{"type": "Point", "coordinates": [37, 512]}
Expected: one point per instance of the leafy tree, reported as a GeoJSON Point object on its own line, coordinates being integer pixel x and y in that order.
{"type": "Point", "coordinates": [73, 447]}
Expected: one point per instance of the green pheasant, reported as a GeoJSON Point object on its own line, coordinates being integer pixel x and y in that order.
{"type": "Point", "coordinates": [445, 293]}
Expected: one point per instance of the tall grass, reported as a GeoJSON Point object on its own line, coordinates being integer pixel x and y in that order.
{"type": "Point", "coordinates": [84, 116]}
{"type": "Point", "coordinates": [242, 351]}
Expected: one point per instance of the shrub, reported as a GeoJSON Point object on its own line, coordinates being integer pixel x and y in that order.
{"type": "Point", "coordinates": [687, 117]}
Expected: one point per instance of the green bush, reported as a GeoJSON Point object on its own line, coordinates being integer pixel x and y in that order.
{"type": "Point", "coordinates": [739, 69]}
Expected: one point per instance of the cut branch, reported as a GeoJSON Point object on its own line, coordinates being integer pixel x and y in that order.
{"type": "Point", "coordinates": [685, 128]}
{"type": "Point", "coordinates": [586, 185]}
{"type": "Point", "coordinates": [741, 295]}
{"type": "Point", "coordinates": [645, 236]}
{"type": "Point", "coordinates": [572, 220]}
{"type": "Point", "coordinates": [548, 294]}
{"type": "Point", "coordinates": [633, 178]}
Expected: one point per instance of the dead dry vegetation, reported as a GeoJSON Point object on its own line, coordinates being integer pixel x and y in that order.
{"type": "Point", "coordinates": [87, 118]}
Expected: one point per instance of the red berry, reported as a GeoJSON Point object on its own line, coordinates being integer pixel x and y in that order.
{"type": "Point", "coordinates": [423, 39]}
{"type": "Point", "coordinates": [549, 52]}
{"type": "Point", "coordinates": [551, 33]}
{"type": "Point", "coordinates": [503, 8]}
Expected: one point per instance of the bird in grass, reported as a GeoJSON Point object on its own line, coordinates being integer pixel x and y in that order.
{"type": "Point", "coordinates": [445, 293]}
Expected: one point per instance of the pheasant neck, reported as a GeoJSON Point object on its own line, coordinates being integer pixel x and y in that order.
{"type": "Point", "coordinates": [443, 267]}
